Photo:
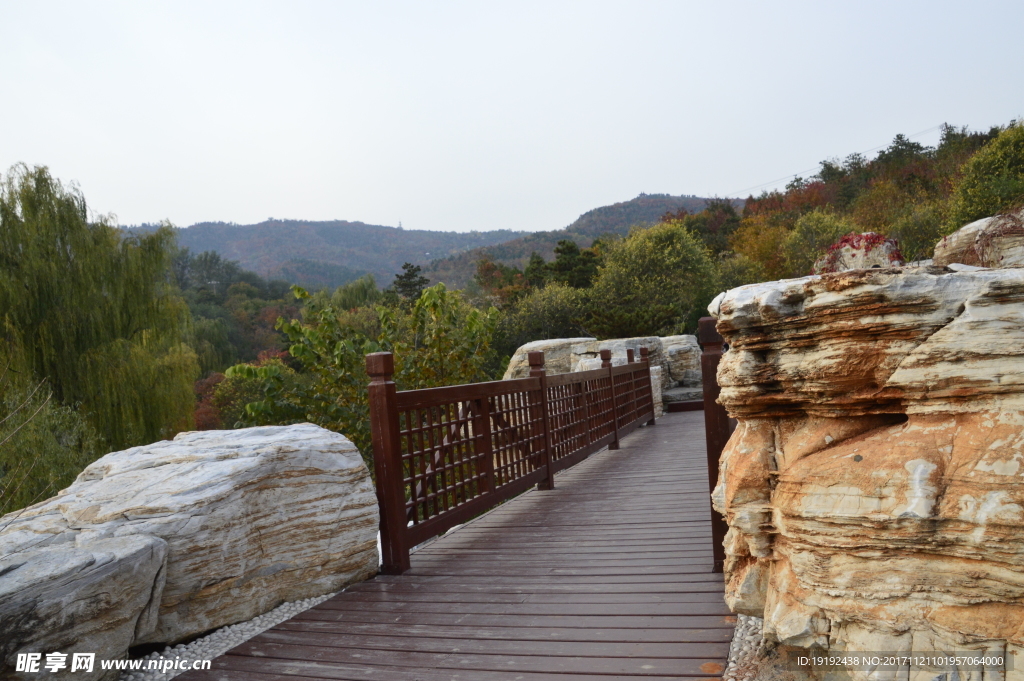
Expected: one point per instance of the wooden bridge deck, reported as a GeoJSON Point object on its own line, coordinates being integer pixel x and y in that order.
{"type": "Point", "coordinates": [606, 577]}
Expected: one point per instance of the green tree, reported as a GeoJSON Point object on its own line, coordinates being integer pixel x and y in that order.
{"type": "Point", "coordinates": [410, 283]}
{"type": "Point", "coordinates": [919, 229]}
{"type": "Point", "coordinates": [440, 340]}
{"type": "Point", "coordinates": [656, 282]}
{"type": "Point", "coordinates": [362, 292]}
{"type": "Point", "coordinates": [573, 266]}
{"type": "Point", "coordinates": [233, 310]}
{"type": "Point", "coordinates": [736, 269]}
{"type": "Point", "coordinates": [713, 225]}
{"type": "Point", "coordinates": [554, 311]}
{"type": "Point", "coordinates": [992, 181]}
{"type": "Point", "coordinates": [536, 271]}
{"type": "Point", "coordinates": [92, 313]}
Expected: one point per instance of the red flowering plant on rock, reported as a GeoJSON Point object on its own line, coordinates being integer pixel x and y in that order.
{"type": "Point", "coordinates": [842, 255]}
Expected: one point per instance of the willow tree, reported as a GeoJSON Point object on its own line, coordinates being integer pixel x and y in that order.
{"type": "Point", "coordinates": [92, 312]}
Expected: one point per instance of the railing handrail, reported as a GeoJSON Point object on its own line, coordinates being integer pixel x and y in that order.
{"type": "Point", "coordinates": [444, 455]}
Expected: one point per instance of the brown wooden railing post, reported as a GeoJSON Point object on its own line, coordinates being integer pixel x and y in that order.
{"type": "Point", "coordinates": [585, 406]}
{"type": "Point", "coordinates": [537, 370]}
{"type": "Point", "coordinates": [606, 363]}
{"type": "Point", "coordinates": [631, 403]}
{"type": "Point", "coordinates": [716, 426]}
{"type": "Point", "coordinates": [646, 359]}
{"type": "Point", "coordinates": [482, 431]}
{"type": "Point", "coordinates": [387, 463]}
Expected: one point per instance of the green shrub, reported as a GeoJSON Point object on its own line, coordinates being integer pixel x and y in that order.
{"type": "Point", "coordinates": [736, 269]}
{"type": "Point", "coordinates": [919, 230]}
{"type": "Point", "coordinates": [657, 282]}
{"type": "Point", "coordinates": [813, 233]}
{"type": "Point", "coordinates": [992, 180]}
{"type": "Point", "coordinates": [555, 311]}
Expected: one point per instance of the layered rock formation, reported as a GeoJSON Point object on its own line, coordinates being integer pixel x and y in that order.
{"type": "Point", "coordinates": [997, 241]}
{"type": "Point", "coordinates": [678, 356]}
{"type": "Point", "coordinates": [682, 354]}
{"type": "Point", "coordinates": [859, 251]}
{"type": "Point", "coordinates": [163, 542]}
{"type": "Point", "coordinates": [874, 487]}
{"type": "Point", "coordinates": [590, 350]}
{"type": "Point", "coordinates": [557, 357]}
{"type": "Point", "coordinates": [675, 362]}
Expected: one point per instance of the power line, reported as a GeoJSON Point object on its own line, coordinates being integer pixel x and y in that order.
{"type": "Point", "coordinates": [798, 174]}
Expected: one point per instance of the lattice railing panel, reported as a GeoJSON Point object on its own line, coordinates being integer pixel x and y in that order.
{"type": "Point", "coordinates": [442, 458]}
{"type": "Point", "coordinates": [517, 435]}
{"type": "Point", "coordinates": [567, 419]}
{"type": "Point", "coordinates": [601, 407]}
{"type": "Point", "coordinates": [444, 455]}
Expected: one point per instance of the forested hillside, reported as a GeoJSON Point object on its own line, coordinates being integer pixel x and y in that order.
{"type": "Point", "coordinates": [317, 254]}
{"type": "Point", "coordinates": [104, 332]}
{"type": "Point", "coordinates": [457, 270]}
{"type": "Point", "coordinates": [909, 192]}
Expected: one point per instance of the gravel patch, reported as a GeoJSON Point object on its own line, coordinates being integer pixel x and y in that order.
{"type": "Point", "coordinates": [221, 640]}
{"type": "Point", "coordinates": [743, 651]}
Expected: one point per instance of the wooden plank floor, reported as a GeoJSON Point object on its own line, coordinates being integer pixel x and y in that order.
{"type": "Point", "coordinates": [606, 577]}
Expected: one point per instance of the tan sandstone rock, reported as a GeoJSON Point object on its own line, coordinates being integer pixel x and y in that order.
{"type": "Point", "coordinates": [251, 518]}
{"type": "Point", "coordinates": [996, 241]}
{"type": "Point", "coordinates": [682, 354]}
{"type": "Point", "coordinates": [592, 350]}
{"type": "Point", "coordinates": [557, 357]}
{"type": "Point", "coordinates": [874, 487]}
{"type": "Point", "coordinates": [656, 383]}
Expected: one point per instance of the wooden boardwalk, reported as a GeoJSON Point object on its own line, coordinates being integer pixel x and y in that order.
{"type": "Point", "coordinates": [606, 577]}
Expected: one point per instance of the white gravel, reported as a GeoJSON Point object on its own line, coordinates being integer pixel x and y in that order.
{"type": "Point", "coordinates": [746, 643]}
{"type": "Point", "coordinates": [221, 640]}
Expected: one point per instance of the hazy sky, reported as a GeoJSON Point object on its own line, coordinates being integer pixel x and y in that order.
{"type": "Point", "coordinates": [477, 115]}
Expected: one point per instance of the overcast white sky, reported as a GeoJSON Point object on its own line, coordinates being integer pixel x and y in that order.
{"type": "Point", "coordinates": [477, 115]}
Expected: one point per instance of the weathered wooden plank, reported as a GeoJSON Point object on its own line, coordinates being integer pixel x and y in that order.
{"type": "Point", "coordinates": [418, 596]}
{"type": "Point", "coordinates": [257, 669]}
{"type": "Point", "coordinates": [558, 648]}
{"type": "Point", "coordinates": [402, 629]}
{"type": "Point", "coordinates": [604, 666]}
{"type": "Point", "coordinates": [512, 620]}
{"type": "Point", "coordinates": [610, 610]}
{"type": "Point", "coordinates": [490, 587]}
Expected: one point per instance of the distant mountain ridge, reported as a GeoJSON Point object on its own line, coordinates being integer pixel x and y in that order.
{"type": "Point", "coordinates": [457, 270]}
{"type": "Point", "coordinates": [329, 253]}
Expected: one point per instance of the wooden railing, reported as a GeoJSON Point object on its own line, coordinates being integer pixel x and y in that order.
{"type": "Point", "coordinates": [717, 425]}
{"type": "Point", "coordinates": [444, 455]}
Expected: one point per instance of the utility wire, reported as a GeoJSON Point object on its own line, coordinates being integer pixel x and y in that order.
{"type": "Point", "coordinates": [798, 174]}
